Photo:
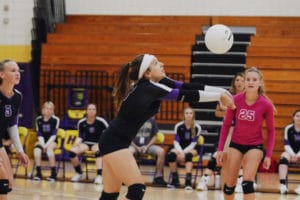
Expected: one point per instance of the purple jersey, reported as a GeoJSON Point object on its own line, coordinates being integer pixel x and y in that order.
{"type": "Point", "coordinates": [249, 121]}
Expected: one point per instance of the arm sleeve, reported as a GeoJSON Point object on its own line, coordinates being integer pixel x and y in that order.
{"type": "Point", "coordinates": [270, 130]}
{"type": "Point", "coordinates": [225, 128]}
{"type": "Point", "coordinates": [14, 135]}
{"type": "Point", "coordinates": [177, 145]}
{"type": "Point", "coordinates": [41, 140]}
{"type": "Point", "coordinates": [287, 145]}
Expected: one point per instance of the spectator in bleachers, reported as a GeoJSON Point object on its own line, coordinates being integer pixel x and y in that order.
{"type": "Point", "coordinates": [212, 171]}
{"type": "Point", "coordinates": [90, 128]}
{"type": "Point", "coordinates": [253, 108]}
{"type": "Point", "coordinates": [185, 147]}
{"type": "Point", "coordinates": [144, 142]}
{"type": "Point", "coordinates": [47, 125]}
{"type": "Point", "coordinates": [292, 150]}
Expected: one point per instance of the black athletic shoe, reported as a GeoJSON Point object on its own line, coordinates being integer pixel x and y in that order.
{"type": "Point", "coordinates": [188, 181]}
{"type": "Point", "coordinates": [37, 177]}
{"type": "Point", "coordinates": [174, 183]}
{"type": "Point", "coordinates": [52, 178]}
{"type": "Point", "coordinates": [188, 184]}
{"type": "Point", "coordinates": [159, 181]}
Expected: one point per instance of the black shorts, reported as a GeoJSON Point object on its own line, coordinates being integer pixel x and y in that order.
{"type": "Point", "coordinates": [89, 145]}
{"type": "Point", "coordinates": [245, 148]}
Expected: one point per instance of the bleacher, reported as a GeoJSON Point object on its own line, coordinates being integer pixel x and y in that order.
{"type": "Point", "coordinates": [103, 43]}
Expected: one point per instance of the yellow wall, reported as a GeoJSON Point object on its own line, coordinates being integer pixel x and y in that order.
{"type": "Point", "coordinates": [19, 53]}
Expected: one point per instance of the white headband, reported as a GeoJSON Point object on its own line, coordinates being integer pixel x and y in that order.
{"type": "Point", "coordinates": [145, 64]}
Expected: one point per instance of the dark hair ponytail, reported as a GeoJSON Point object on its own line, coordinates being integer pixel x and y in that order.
{"type": "Point", "coordinates": [127, 75]}
{"type": "Point", "coordinates": [121, 85]}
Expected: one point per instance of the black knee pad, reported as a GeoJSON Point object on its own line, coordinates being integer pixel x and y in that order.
{"type": "Point", "coordinates": [212, 164]}
{"type": "Point", "coordinates": [39, 147]}
{"type": "Point", "coordinates": [109, 196]}
{"type": "Point", "coordinates": [228, 190]}
{"type": "Point", "coordinates": [4, 189]}
{"type": "Point", "coordinates": [283, 161]}
{"type": "Point", "coordinates": [171, 157]}
{"type": "Point", "coordinates": [97, 154]}
{"type": "Point", "coordinates": [72, 154]}
{"type": "Point", "coordinates": [248, 187]}
{"type": "Point", "coordinates": [188, 157]}
{"type": "Point", "coordinates": [136, 191]}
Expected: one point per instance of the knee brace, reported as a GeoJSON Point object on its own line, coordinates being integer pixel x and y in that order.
{"type": "Point", "coordinates": [283, 161]}
{"type": "Point", "coordinates": [188, 157]}
{"type": "Point", "coordinates": [228, 190]}
{"type": "Point", "coordinates": [4, 189]}
{"type": "Point", "coordinates": [248, 187]}
{"type": "Point", "coordinates": [109, 196]}
{"type": "Point", "coordinates": [171, 157]}
{"type": "Point", "coordinates": [136, 191]}
{"type": "Point", "coordinates": [50, 153]}
{"type": "Point", "coordinates": [97, 154]}
{"type": "Point", "coordinates": [72, 154]}
{"type": "Point", "coordinates": [212, 164]}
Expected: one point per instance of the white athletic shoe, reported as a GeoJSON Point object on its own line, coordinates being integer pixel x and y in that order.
{"type": "Point", "coordinates": [283, 189]}
{"type": "Point", "coordinates": [98, 180]}
{"type": "Point", "coordinates": [297, 190]}
{"type": "Point", "coordinates": [77, 177]}
{"type": "Point", "coordinates": [202, 185]}
{"type": "Point", "coordinates": [238, 188]}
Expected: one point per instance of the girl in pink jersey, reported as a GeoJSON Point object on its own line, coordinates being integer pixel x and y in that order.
{"type": "Point", "coordinates": [253, 107]}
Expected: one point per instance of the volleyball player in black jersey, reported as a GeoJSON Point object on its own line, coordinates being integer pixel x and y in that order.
{"type": "Point", "coordinates": [47, 125]}
{"type": "Point", "coordinates": [10, 102]}
{"type": "Point", "coordinates": [141, 85]}
{"type": "Point", "coordinates": [90, 128]}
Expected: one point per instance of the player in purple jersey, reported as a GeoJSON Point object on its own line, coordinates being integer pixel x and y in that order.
{"type": "Point", "coordinates": [292, 150]}
{"type": "Point", "coordinates": [139, 89]}
{"type": "Point", "coordinates": [253, 107]}
{"type": "Point", "coordinates": [10, 102]}
{"type": "Point", "coordinates": [47, 125]}
{"type": "Point", "coordinates": [90, 128]}
{"type": "Point", "coordinates": [185, 147]}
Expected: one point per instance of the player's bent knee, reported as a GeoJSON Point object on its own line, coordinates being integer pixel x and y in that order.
{"type": "Point", "coordinates": [188, 157]}
{"type": "Point", "coordinates": [109, 196]}
{"type": "Point", "coordinates": [283, 161]}
{"type": "Point", "coordinates": [4, 189]}
{"type": "Point", "coordinates": [136, 191]}
{"type": "Point", "coordinates": [248, 187]}
{"type": "Point", "coordinates": [171, 157]}
{"type": "Point", "coordinates": [228, 190]}
{"type": "Point", "coordinates": [72, 154]}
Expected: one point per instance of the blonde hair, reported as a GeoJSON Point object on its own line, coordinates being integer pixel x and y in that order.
{"type": "Point", "coordinates": [50, 104]}
{"type": "Point", "coordinates": [2, 64]}
{"type": "Point", "coordinates": [193, 126]}
{"type": "Point", "coordinates": [261, 89]}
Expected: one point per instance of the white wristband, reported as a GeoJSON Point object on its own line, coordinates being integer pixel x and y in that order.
{"type": "Point", "coordinates": [14, 135]}
{"type": "Point", "coordinates": [209, 96]}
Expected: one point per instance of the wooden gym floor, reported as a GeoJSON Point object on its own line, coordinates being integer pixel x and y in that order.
{"type": "Point", "coordinates": [66, 190]}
